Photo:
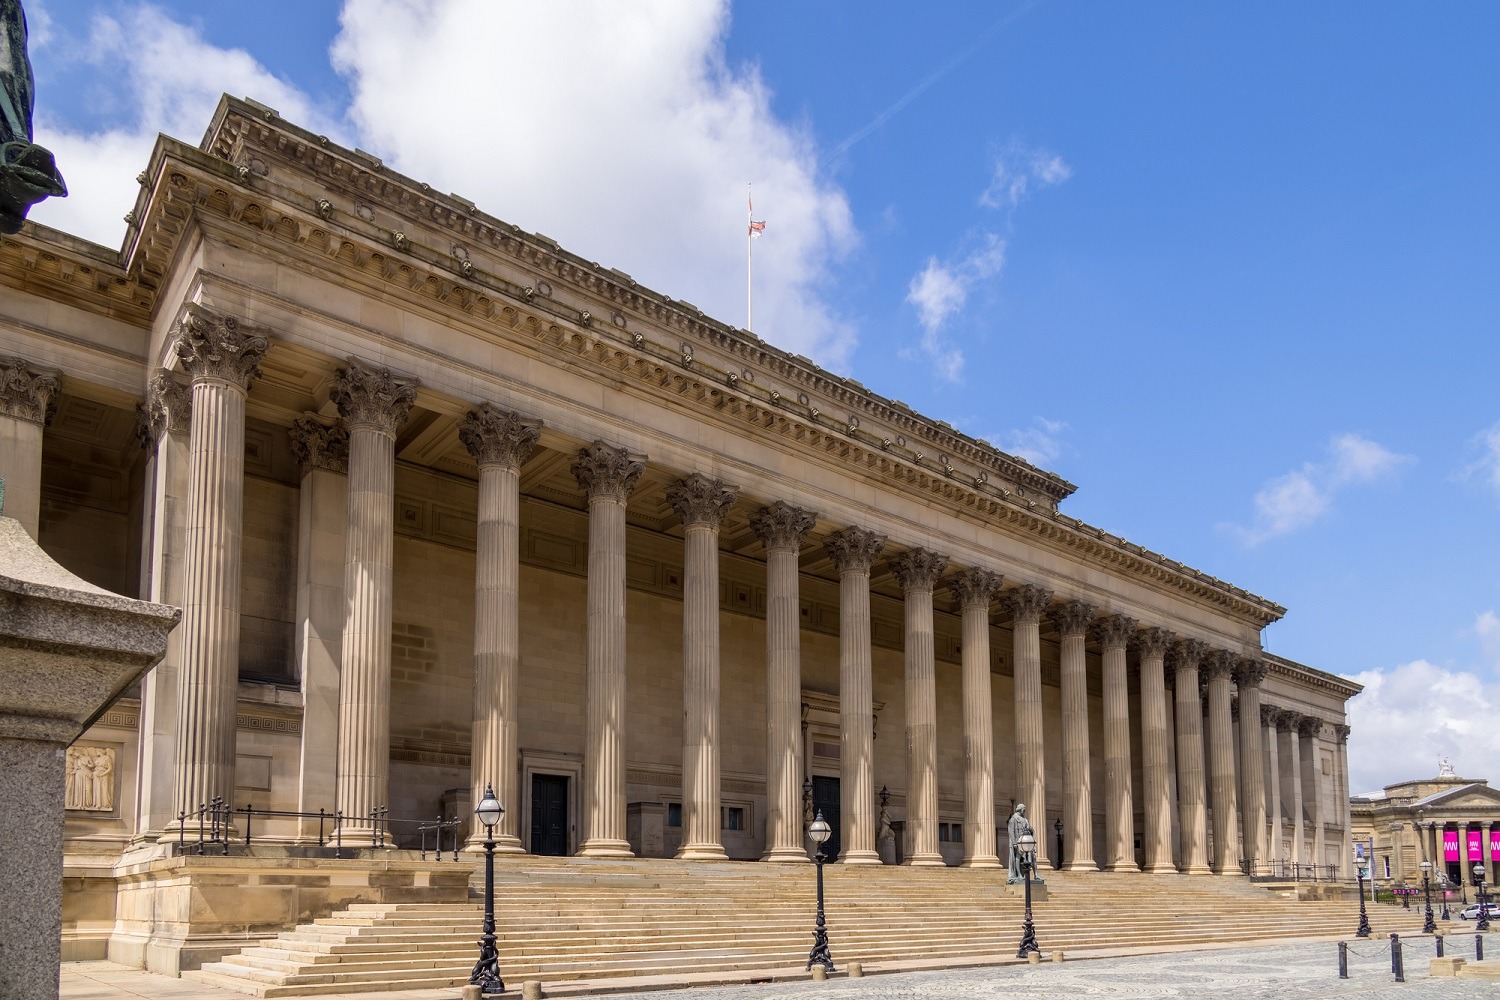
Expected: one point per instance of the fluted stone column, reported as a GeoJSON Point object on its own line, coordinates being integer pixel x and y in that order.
{"type": "Point", "coordinates": [322, 525]}
{"type": "Point", "coordinates": [1072, 620]}
{"type": "Point", "coordinates": [1488, 855]}
{"type": "Point", "coordinates": [1026, 605]}
{"type": "Point", "coordinates": [28, 395]}
{"type": "Point", "coordinates": [701, 503]}
{"type": "Point", "coordinates": [1346, 848]}
{"type": "Point", "coordinates": [222, 356]}
{"type": "Point", "coordinates": [1269, 714]}
{"type": "Point", "coordinates": [1218, 667]}
{"type": "Point", "coordinates": [501, 441]}
{"type": "Point", "coordinates": [917, 571]}
{"type": "Point", "coordinates": [162, 425]}
{"type": "Point", "coordinates": [1308, 730]}
{"type": "Point", "coordinates": [1114, 634]}
{"type": "Point", "coordinates": [1289, 722]}
{"type": "Point", "coordinates": [374, 404]}
{"type": "Point", "coordinates": [607, 475]}
{"type": "Point", "coordinates": [1191, 804]}
{"type": "Point", "coordinates": [782, 529]}
{"type": "Point", "coordinates": [1156, 760]}
{"type": "Point", "coordinates": [1248, 677]}
{"type": "Point", "coordinates": [853, 550]}
{"type": "Point", "coordinates": [974, 590]}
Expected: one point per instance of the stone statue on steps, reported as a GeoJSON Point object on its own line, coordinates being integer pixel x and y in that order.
{"type": "Point", "coordinates": [1018, 827]}
{"type": "Point", "coordinates": [27, 171]}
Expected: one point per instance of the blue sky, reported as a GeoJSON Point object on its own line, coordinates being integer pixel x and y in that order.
{"type": "Point", "coordinates": [1231, 268]}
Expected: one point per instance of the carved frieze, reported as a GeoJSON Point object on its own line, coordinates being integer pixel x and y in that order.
{"type": "Point", "coordinates": [319, 446]}
{"type": "Point", "coordinates": [499, 437]}
{"type": "Point", "coordinates": [27, 392]}
{"type": "Point", "coordinates": [372, 397]}
{"type": "Point", "coordinates": [918, 569]}
{"type": "Point", "coordinates": [1026, 603]}
{"type": "Point", "coordinates": [853, 550]}
{"type": "Point", "coordinates": [604, 471]}
{"type": "Point", "coordinates": [90, 777]}
{"type": "Point", "coordinates": [211, 345]}
{"type": "Point", "coordinates": [782, 526]}
{"type": "Point", "coordinates": [697, 499]}
{"type": "Point", "coordinates": [976, 587]}
{"type": "Point", "coordinates": [1114, 630]}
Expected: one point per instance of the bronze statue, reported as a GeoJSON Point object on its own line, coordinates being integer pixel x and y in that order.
{"type": "Point", "coordinates": [27, 171]}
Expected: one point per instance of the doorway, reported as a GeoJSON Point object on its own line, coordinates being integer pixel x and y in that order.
{"type": "Point", "coordinates": [825, 795]}
{"type": "Point", "coordinates": [549, 815]}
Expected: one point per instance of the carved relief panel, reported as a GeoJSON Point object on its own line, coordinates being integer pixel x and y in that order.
{"type": "Point", "coordinates": [90, 779]}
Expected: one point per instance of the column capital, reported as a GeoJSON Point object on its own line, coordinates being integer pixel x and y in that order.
{"type": "Point", "coordinates": [1341, 734]}
{"type": "Point", "coordinates": [319, 446]}
{"type": "Point", "coordinates": [1288, 721]}
{"type": "Point", "coordinates": [1186, 654]}
{"type": "Point", "coordinates": [372, 397]}
{"type": "Point", "coordinates": [27, 392]}
{"type": "Point", "coordinates": [1309, 727]}
{"type": "Point", "coordinates": [697, 499]}
{"type": "Point", "coordinates": [782, 526]}
{"type": "Point", "coordinates": [211, 345]}
{"type": "Point", "coordinates": [853, 549]}
{"type": "Point", "coordinates": [975, 588]}
{"type": "Point", "coordinates": [1250, 671]}
{"type": "Point", "coordinates": [1115, 631]}
{"type": "Point", "coordinates": [499, 437]}
{"type": "Point", "coordinates": [167, 409]}
{"type": "Point", "coordinates": [604, 471]}
{"type": "Point", "coordinates": [1072, 617]}
{"type": "Point", "coordinates": [1026, 603]}
{"type": "Point", "coordinates": [1270, 715]}
{"type": "Point", "coordinates": [917, 569]}
{"type": "Point", "coordinates": [1154, 641]}
{"type": "Point", "coordinates": [1219, 664]}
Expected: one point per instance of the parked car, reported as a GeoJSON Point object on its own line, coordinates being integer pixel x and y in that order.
{"type": "Point", "coordinates": [1471, 912]}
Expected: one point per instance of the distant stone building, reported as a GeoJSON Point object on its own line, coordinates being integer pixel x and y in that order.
{"type": "Point", "coordinates": [1451, 821]}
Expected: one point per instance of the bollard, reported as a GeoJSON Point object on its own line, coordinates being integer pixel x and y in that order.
{"type": "Point", "coordinates": [819, 973]}
{"type": "Point", "coordinates": [1439, 939]}
{"type": "Point", "coordinates": [854, 970]}
{"type": "Point", "coordinates": [531, 990]}
{"type": "Point", "coordinates": [1033, 958]}
{"type": "Point", "coordinates": [1057, 956]}
{"type": "Point", "coordinates": [1479, 947]}
{"type": "Point", "coordinates": [470, 992]}
{"type": "Point", "coordinates": [1398, 968]}
{"type": "Point", "coordinates": [1343, 960]}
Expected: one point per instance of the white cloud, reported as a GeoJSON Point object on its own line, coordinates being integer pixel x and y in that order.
{"type": "Point", "coordinates": [1296, 499]}
{"type": "Point", "coordinates": [1411, 715]}
{"type": "Point", "coordinates": [940, 290]}
{"type": "Point", "coordinates": [1019, 170]}
{"type": "Point", "coordinates": [1040, 444]}
{"type": "Point", "coordinates": [1487, 466]}
{"type": "Point", "coordinates": [619, 130]}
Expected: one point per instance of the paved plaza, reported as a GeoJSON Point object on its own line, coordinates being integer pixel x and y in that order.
{"type": "Point", "coordinates": [1278, 971]}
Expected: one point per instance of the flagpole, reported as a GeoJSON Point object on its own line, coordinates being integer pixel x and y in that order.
{"type": "Point", "coordinates": [749, 251]}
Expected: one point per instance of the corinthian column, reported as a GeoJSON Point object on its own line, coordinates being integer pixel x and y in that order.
{"type": "Point", "coordinates": [1219, 667]}
{"type": "Point", "coordinates": [1308, 730]}
{"type": "Point", "coordinates": [701, 503]}
{"type": "Point", "coordinates": [221, 356]}
{"type": "Point", "coordinates": [322, 521]}
{"type": "Point", "coordinates": [1248, 676]}
{"type": "Point", "coordinates": [852, 551]}
{"type": "Point", "coordinates": [782, 529]}
{"type": "Point", "coordinates": [974, 590]}
{"type": "Point", "coordinates": [1114, 634]}
{"type": "Point", "coordinates": [162, 424]}
{"type": "Point", "coordinates": [1156, 760]}
{"type": "Point", "coordinates": [1026, 604]}
{"type": "Point", "coordinates": [373, 403]}
{"type": "Point", "coordinates": [1193, 818]}
{"type": "Point", "coordinates": [917, 571]}
{"type": "Point", "coordinates": [1346, 846]}
{"type": "Point", "coordinates": [27, 397]}
{"type": "Point", "coordinates": [501, 442]}
{"type": "Point", "coordinates": [1276, 826]}
{"type": "Point", "coordinates": [1288, 723]}
{"type": "Point", "coordinates": [606, 475]}
{"type": "Point", "coordinates": [1072, 621]}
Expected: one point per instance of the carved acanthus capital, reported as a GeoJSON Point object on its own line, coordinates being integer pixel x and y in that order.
{"type": "Point", "coordinates": [318, 446]}
{"type": "Point", "coordinates": [1026, 603]}
{"type": "Point", "coordinates": [698, 499]}
{"type": "Point", "coordinates": [917, 569]}
{"type": "Point", "coordinates": [1269, 715]}
{"type": "Point", "coordinates": [167, 409]}
{"type": "Point", "coordinates": [27, 393]}
{"type": "Point", "coordinates": [1219, 664]}
{"type": "Point", "coordinates": [372, 397]}
{"type": "Point", "coordinates": [1250, 671]}
{"type": "Point", "coordinates": [1341, 734]}
{"type": "Point", "coordinates": [1114, 630]}
{"type": "Point", "coordinates": [1309, 727]}
{"type": "Point", "coordinates": [1072, 618]}
{"type": "Point", "coordinates": [976, 588]}
{"type": "Point", "coordinates": [1187, 654]}
{"type": "Point", "coordinates": [606, 472]}
{"type": "Point", "coordinates": [1288, 721]}
{"type": "Point", "coordinates": [782, 526]}
{"type": "Point", "coordinates": [499, 437]}
{"type": "Point", "coordinates": [853, 550]}
{"type": "Point", "coordinates": [211, 345]}
{"type": "Point", "coordinates": [1154, 641]}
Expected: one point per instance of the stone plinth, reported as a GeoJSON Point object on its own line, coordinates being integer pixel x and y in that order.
{"type": "Point", "coordinates": [67, 650]}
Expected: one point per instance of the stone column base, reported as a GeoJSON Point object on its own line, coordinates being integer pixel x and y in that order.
{"type": "Point", "coordinates": [601, 848]}
{"type": "Point", "coordinates": [859, 858]}
{"type": "Point", "coordinates": [926, 861]}
{"type": "Point", "coordinates": [981, 861]}
{"type": "Point", "coordinates": [787, 855]}
{"type": "Point", "coordinates": [702, 852]}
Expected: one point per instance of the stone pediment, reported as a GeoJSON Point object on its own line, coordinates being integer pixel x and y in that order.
{"type": "Point", "coordinates": [1476, 797]}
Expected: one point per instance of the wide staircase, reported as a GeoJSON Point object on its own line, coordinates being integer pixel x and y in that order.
{"type": "Point", "coordinates": [577, 919]}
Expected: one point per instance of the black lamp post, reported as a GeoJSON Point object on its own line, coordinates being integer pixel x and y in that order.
{"type": "Point", "coordinates": [1026, 851]}
{"type": "Point", "coordinates": [1428, 926]}
{"type": "Point", "coordinates": [819, 832]}
{"type": "Point", "coordinates": [1364, 918]}
{"type": "Point", "coordinates": [1484, 916]}
{"type": "Point", "coordinates": [486, 974]}
{"type": "Point", "coordinates": [1057, 825]}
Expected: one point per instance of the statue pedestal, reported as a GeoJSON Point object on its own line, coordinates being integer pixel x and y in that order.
{"type": "Point", "coordinates": [886, 848]}
{"type": "Point", "coordinates": [1038, 891]}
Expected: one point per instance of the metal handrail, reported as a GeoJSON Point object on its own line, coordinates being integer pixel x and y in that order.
{"type": "Point", "coordinates": [213, 822]}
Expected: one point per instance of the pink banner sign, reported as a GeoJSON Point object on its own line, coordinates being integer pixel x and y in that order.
{"type": "Point", "coordinates": [1472, 851]}
{"type": "Point", "coordinates": [1450, 845]}
{"type": "Point", "coordinates": [1495, 845]}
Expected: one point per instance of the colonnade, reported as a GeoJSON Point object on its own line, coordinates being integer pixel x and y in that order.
{"type": "Point", "coordinates": [1431, 834]}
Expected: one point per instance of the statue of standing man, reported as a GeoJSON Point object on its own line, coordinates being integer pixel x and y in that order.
{"type": "Point", "coordinates": [1018, 828]}
{"type": "Point", "coordinates": [27, 171]}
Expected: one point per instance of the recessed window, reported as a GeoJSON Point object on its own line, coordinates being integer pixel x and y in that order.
{"type": "Point", "coordinates": [674, 814]}
{"type": "Point", "coordinates": [732, 817]}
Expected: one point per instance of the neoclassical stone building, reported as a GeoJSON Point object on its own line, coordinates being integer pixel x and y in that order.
{"type": "Point", "coordinates": [447, 505]}
{"type": "Point", "coordinates": [1450, 821]}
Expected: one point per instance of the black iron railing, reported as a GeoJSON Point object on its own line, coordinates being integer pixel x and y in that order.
{"type": "Point", "coordinates": [211, 825]}
{"type": "Point", "coordinates": [1292, 871]}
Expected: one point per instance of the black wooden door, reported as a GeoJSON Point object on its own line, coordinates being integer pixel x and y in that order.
{"type": "Point", "coordinates": [549, 814]}
{"type": "Point", "coordinates": [825, 793]}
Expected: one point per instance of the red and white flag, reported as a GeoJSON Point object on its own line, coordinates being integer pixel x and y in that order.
{"type": "Point", "coordinates": [756, 228]}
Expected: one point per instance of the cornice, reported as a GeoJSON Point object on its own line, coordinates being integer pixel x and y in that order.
{"type": "Point", "coordinates": [1311, 677]}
